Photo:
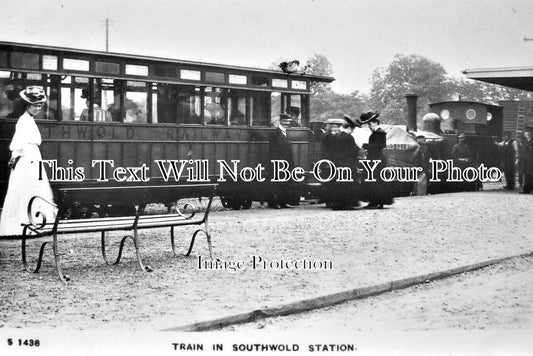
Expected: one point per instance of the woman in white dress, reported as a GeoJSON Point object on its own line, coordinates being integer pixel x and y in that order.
{"type": "Point", "coordinates": [24, 182]}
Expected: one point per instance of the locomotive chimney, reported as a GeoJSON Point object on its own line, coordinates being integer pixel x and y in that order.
{"type": "Point", "coordinates": [411, 111]}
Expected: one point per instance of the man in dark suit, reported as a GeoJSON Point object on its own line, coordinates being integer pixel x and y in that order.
{"type": "Point", "coordinates": [526, 157]}
{"type": "Point", "coordinates": [508, 149]}
{"type": "Point", "coordinates": [280, 149]}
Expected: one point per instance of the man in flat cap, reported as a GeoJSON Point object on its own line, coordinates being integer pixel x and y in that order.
{"type": "Point", "coordinates": [462, 158]}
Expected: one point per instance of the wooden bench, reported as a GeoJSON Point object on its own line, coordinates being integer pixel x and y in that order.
{"type": "Point", "coordinates": [40, 226]}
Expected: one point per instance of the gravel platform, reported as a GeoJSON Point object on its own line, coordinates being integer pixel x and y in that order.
{"type": "Point", "coordinates": [416, 235]}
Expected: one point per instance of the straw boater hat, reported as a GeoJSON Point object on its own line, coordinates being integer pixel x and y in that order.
{"type": "Point", "coordinates": [368, 117]}
{"type": "Point", "coordinates": [33, 95]}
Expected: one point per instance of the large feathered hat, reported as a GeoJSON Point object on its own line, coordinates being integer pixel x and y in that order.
{"type": "Point", "coordinates": [33, 95]}
{"type": "Point", "coordinates": [368, 117]}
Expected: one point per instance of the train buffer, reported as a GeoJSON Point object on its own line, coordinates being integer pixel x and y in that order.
{"type": "Point", "coordinates": [186, 215]}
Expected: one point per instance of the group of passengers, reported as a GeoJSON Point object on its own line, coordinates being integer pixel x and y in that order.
{"type": "Point", "coordinates": [341, 149]}
{"type": "Point", "coordinates": [517, 156]}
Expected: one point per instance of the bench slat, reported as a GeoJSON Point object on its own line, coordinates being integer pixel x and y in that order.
{"type": "Point", "coordinates": [120, 223]}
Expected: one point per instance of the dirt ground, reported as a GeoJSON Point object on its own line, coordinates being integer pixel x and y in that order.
{"type": "Point", "coordinates": [496, 297]}
{"type": "Point", "coordinates": [414, 236]}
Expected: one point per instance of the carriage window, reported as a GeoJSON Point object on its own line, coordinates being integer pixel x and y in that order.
{"type": "Point", "coordinates": [34, 77]}
{"type": "Point", "coordinates": [189, 105]}
{"type": "Point", "coordinates": [163, 103]}
{"type": "Point", "coordinates": [107, 67]}
{"type": "Point", "coordinates": [25, 60]}
{"type": "Point", "coordinates": [260, 109]}
{"type": "Point", "coordinates": [76, 64]}
{"type": "Point", "coordinates": [215, 106]}
{"type": "Point", "coordinates": [79, 93]}
{"type": "Point", "coordinates": [3, 58]}
{"type": "Point", "coordinates": [175, 103]}
{"type": "Point", "coordinates": [74, 104]}
{"type": "Point", "coordinates": [133, 69]}
{"type": "Point", "coordinates": [190, 74]}
{"type": "Point", "coordinates": [280, 83]}
{"type": "Point", "coordinates": [214, 77]}
{"type": "Point", "coordinates": [11, 106]}
{"type": "Point", "coordinates": [107, 98]}
{"type": "Point", "coordinates": [136, 103]}
{"type": "Point", "coordinates": [260, 81]}
{"type": "Point", "coordinates": [12, 83]}
{"type": "Point", "coordinates": [299, 84]}
{"type": "Point", "coordinates": [50, 62]}
{"type": "Point", "coordinates": [155, 103]}
{"type": "Point", "coordinates": [237, 79]}
{"type": "Point", "coordinates": [52, 88]}
{"type": "Point", "coordinates": [162, 70]}
{"type": "Point", "coordinates": [237, 107]}
{"type": "Point", "coordinates": [277, 107]}
{"type": "Point", "coordinates": [294, 109]}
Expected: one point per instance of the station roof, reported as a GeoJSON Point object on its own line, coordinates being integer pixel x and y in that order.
{"type": "Point", "coordinates": [512, 77]}
{"type": "Point", "coordinates": [466, 102]}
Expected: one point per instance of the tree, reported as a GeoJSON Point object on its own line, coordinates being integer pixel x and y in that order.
{"type": "Point", "coordinates": [427, 79]}
{"type": "Point", "coordinates": [327, 104]}
{"type": "Point", "coordinates": [319, 65]}
{"type": "Point", "coordinates": [406, 74]}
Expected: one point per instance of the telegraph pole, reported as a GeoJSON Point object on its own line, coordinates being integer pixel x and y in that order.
{"type": "Point", "coordinates": [107, 23]}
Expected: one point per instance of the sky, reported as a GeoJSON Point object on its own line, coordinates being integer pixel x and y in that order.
{"type": "Point", "coordinates": [357, 36]}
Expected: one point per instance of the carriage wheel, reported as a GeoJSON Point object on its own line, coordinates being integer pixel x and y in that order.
{"type": "Point", "coordinates": [230, 202]}
{"type": "Point", "coordinates": [225, 200]}
{"type": "Point", "coordinates": [247, 204]}
{"type": "Point", "coordinates": [235, 203]}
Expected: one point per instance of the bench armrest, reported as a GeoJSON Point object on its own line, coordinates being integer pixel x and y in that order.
{"type": "Point", "coordinates": [194, 208]}
{"type": "Point", "coordinates": [185, 215]}
{"type": "Point", "coordinates": [38, 218]}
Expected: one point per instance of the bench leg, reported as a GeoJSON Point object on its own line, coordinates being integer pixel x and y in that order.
{"type": "Point", "coordinates": [121, 248]}
{"type": "Point", "coordinates": [208, 236]}
{"type": "Point", "coordinates": [39, 261]}
{"type": "Point", "coordinates": [172, 243]}
{"type": "Point", "coordinates": [63, 277]}
{"type": "Point", "coordinates": [136, 244]}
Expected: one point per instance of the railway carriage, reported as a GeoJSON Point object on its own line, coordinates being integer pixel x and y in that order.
{"type": "Point", "coordinates": [135, 110]}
